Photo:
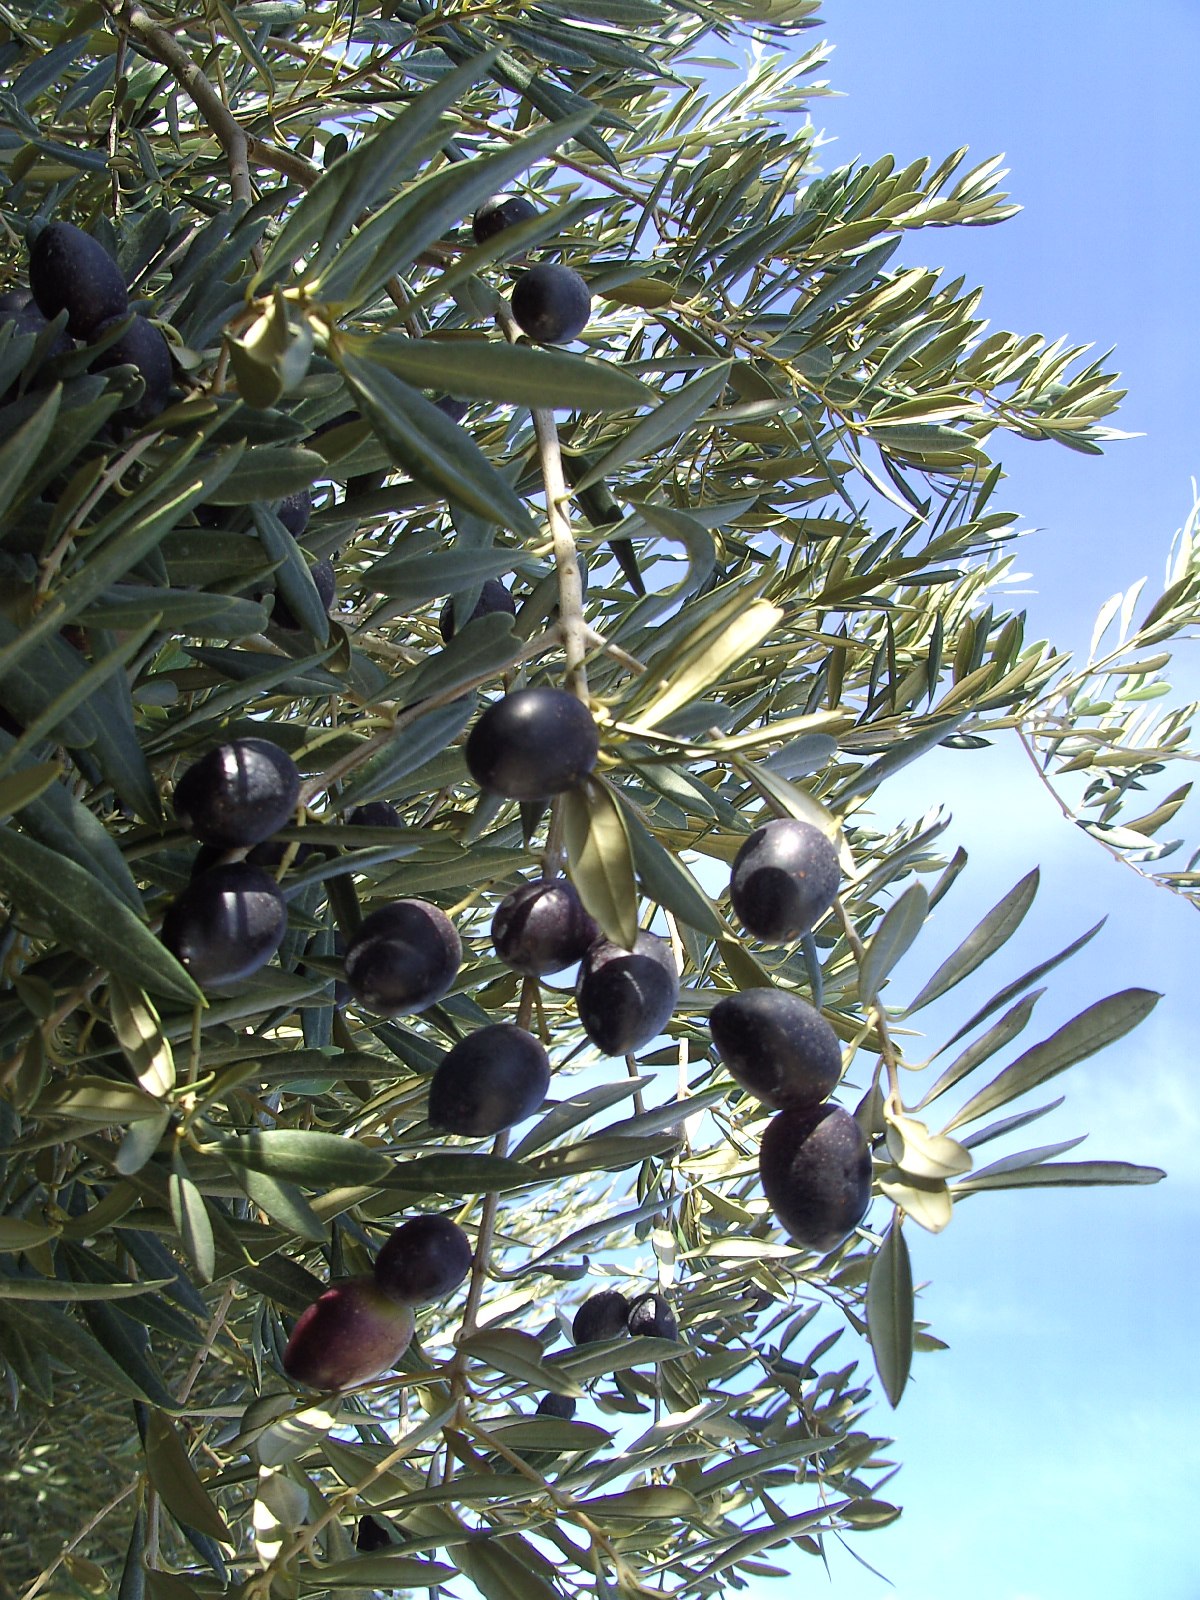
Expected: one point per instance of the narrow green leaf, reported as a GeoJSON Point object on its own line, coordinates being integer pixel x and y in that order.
{"type": "Point", "coordinates": [61, 822]}
{"type": "Point", "coordinates": [60, 1289]}
{"type": "Point", "coordinates": [20, 452]}
{"type": "Point", "coordinates": [901, 924]}
{"type": "Point", "coordinates": [139, 1033]}
{"type": "Point", "coordinates": [1101, 1024]}
{"type": "Point", "coordinates": [500, 1571]}
{"type": "Point", "coordinates": [87, 917]}
{"type": "Point", "coordinates": [293, 575]}
{"type": "Point", "coordinates": [600, 858]}
{"type": "Point", "coordinates": [707, 660]}
{"type": "Point", "coordinates": [989, 934]}
{"type": "Point", "coordinates": [432, 449]}
{"type": "Point", "coordinates": [192, 1221]}
{"type": "Point", "coordinates": [390, 240]}
{"type": "Point", "coordinates": [648, 1504]}
{"type": "Point", "coordinates": [177, 1482]}
{"type": "Point", "coordinates": [665, 425]}
{"type": "Point", "coordinates": [493, 369]}
{"type": "Point", "coordinates": [62, 1337]}
{"type": "Point", "coordinates": [1015, 987]}
{"type": "Point", "coordinates": [997, 1130]}
{"type": "Point", "coordinates": [381, 1569]}
{"type": "Point", "coordinates": [1062, 1174]}
{"type": "Point", "coordinates": [282, 1202]}
{"type": "Point", "coordinates": [667, 880]}
{"type": "Point", "coordinates": [423, 576]}
{"type": "Point", "coordinates": [100, 1100]}
{"type": "Point", "coordinates": [458, 1175]}
{"type": "Point", "coordinates": [890, 1310]}
{"type": "Point", "coordinates": [16, 1234]}
{"type": "Point", "coordinates": [133, 1574]}
{"type": "Point", "coordinates": [325, 215]}
{"type": "Point", "coordinates": [518, 1354]}
{"type": "Point", "coordinates": [410, 747]}
{"type": "Point", "coordinates": [267, 472]}
{"type": "Point", "coordinates": [548, 1433]}
{"type": "Point", "coordinates": [125, 536]}
{"type": "Point", "coordinates": [20, 789]}
{"type": "Point", "coordinates": [317, 1160]}
{"type": "Point", "coordinates": [574, 1109]}
{"type": "Point", "coordinates": [588, 1361]}
{"type": "Point", "coordinates": [1010, 1025]}
{"type": "Point", "coordinates": [203, 616]}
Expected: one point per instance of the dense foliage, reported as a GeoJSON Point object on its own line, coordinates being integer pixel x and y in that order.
{"type": "Point", "coordinates": [753, 521]}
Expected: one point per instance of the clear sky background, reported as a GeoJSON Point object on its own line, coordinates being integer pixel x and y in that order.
{"type": "Point", "coordinates": [1053, 1451]}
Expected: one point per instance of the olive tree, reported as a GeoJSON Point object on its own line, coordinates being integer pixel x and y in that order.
{"type": "Point", "coordinates": [752, 521]}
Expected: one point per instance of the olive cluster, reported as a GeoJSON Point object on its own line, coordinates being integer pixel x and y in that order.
{"type": "Point", "coordinates": [551, 303]}
{"type": "Point", "coordinates": [71, 272]}
{"type": "Point", "coordinates": [231, 918]}
{"type": "Point", "coordinates": [814, 1161]}
{"type": "Point", "coordinates": [360, 1328]}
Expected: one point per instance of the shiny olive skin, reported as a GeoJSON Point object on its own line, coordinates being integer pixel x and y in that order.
{"type": "Point", "coordinates": [815, 1167]}
{"type": "Point", "coordinates": [650, 1316]}
{"type": "Point", "coordinates": [238, 794]}
{"type": "Point", "coordinates": [625, 997]}
{"type": "Point", "coordinates": [499, 212]}
{"type": "Point", "coordinates": [425, 1258]}
{"type": "Point", "coordinates": [603, 1315]}
{"type": "Point", "coordinates": [142, 347]}
{"type": "Point", "coordinates": [404, 957]}
{"type": "Point", "coordinates": [71, 271]}
{"type": "Point", "coordinates": [226, 924]}
{"type": "Point", "coordinates": [353, 1333]}
{"type": "Point", "coordinates": [551, 303]}
{"type": "Point", "coordinates": [785, 878]}
{"type": "Point", "coordinates": [542, 927]}
{"type": "Point", "coordinates": [491, 1080]}
{"type": "Point", "coordinates": [492, 597]}
{"type": "Point", "coordinates": [532, 744]}
{"type": "Point", "coordinates": [777, 1046]}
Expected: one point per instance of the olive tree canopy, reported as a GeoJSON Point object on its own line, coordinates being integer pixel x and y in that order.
{"type": "Point", "coordinates": [753, 520]}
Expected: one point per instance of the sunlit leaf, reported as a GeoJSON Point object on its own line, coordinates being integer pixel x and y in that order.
{"type": "Point", "coordinates": [890, 1312]}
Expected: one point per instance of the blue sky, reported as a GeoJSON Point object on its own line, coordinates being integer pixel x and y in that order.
{"type": "Point", "coordinates": [1052, 1451]}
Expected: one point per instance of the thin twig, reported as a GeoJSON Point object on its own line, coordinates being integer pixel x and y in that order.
{"type": "Point", "coordinates": [225, 126]}
{"type": "Point", "coordinates": [77, 1539]}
